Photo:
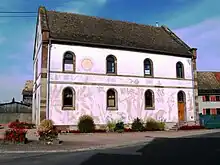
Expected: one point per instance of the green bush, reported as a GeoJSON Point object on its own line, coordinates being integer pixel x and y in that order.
{"type": "Point", "coordinates": [137, 125]}
{"type": "Point", "coordinates": [153, 125]}
{"type": "Point", "coordinates": [119, 127]}
{"type": "Point", "coordinates": [111, 126]}
{"type": "Point", "coordinates": [86, 124]}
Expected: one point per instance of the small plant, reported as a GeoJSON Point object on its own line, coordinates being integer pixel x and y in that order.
{"type": "Point", "coordinates": [15, 135]}
{"type": "Point", "coordinates": [46, 131]}
{"type": "Point", "coordinates": [119, 127]}
{"type": "Point", "coordinates": [137, 125]}
{"type": "Point", "coordinates": [86, 124]}
{"type": "Point", "coordinates": [111, 126]}
{"type": "Point", "coordinates": [153, 125]}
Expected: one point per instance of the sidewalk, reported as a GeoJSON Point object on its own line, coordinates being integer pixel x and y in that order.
{"type": "Point", "coordinates": [79, 142]}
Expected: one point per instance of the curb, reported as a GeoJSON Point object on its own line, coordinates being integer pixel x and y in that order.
{"type": "Point", "coordinates": [101, 147]}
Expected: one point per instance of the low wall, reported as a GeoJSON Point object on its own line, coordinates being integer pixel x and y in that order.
{"type": "Point", "coordinates": [9, 117]}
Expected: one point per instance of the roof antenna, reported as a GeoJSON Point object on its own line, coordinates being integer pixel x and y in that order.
{"type": "Point", "coordinates": [157, 24]}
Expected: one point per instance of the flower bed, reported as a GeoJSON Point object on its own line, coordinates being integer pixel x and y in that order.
{"type": "Point", "coordinates": [22, 125]}
{"type": "Point", "coordinates": [191, 127]}
{"type": "Point", "coordinates": [15, 135]}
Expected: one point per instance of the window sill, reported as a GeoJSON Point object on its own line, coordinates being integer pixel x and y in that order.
{"type": "Point", "coordinates": [179, 78]}
{"type": "Point", "coordinates": [68, 71]}
{"type": "Point", "coordinates": [112, 108]}
{"type": "Point", "coordinates": [148, 76]}
{"type": "Point", "coordinates": [149, 108]}
{"type": "Point", "coordinates": [111, 74]}
{"type": "Point", "coordinates": [68, 108]}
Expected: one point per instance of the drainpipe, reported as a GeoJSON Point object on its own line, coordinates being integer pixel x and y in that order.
{"type": "Point", "coordinates": [48, 79]}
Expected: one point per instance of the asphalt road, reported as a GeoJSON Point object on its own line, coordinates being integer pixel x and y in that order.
{"type": "Point", "coordinates": [202, 150]}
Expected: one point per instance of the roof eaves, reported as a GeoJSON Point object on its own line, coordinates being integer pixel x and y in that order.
{"type": "Point", "coordinates": [119, 47]}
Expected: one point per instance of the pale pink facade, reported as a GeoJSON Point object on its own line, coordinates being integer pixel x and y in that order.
{"type": "Point", "coordinates": [91, 83]}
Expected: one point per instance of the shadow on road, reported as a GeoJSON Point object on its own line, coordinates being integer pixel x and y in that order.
{"type": "Point", "coordinates": [203, 150]}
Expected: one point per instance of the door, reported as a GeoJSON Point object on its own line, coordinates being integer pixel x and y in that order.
{"type": "Point", "coordinates": [181, 110]}
{"type": "Point", "coordinates": [181, 105]}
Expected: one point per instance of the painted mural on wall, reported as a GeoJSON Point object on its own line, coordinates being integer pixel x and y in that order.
{"type": "Point", "coordinates": [91, 100]}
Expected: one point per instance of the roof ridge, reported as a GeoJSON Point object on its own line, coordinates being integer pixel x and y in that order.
{"type": "Point", "coordinates": [107, 19]}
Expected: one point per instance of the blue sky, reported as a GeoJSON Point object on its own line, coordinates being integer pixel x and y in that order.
{"type": "Point", "coordinates": [197, 22]}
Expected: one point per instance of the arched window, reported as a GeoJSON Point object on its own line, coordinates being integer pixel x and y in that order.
{"type": "Point", "coordinates": [68, 98]}
{"type": "Point", "coordinates": [179, 70]}
{"type": "Point", "coordinates": [181, 96]}
{"type": "Point", "coordinates": [111, 98]}
{"type": "Point", "coordinates": [149, 99]}
{"type": "Point", "coordinates": [69, 62]}
{"type": "Point", "coordinates": [148, 67]}
{"type": "Point", "coordinates": [111, 62]}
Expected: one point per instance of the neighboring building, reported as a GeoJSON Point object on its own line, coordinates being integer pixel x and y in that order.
{"type": "Point", "coordinates": [209, 92]}
{"type": "Point", "coordinates": [111, 70]}
{"type": "Point", "coordinates": [13, 110]}
{"type": "Point", "coordinates": [27, 92]}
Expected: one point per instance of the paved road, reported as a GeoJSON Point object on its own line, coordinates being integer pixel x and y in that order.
{"type": "Point", "coordinates": [202, 150]}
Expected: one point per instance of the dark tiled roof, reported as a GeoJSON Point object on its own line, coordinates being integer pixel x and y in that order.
{"type": "Point", "coordinates": [99, 31]}
{"type": "Point", "coordinates": [209, 83]}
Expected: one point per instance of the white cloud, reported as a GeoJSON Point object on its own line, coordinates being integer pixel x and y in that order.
{"type": "Point", "coordinates": [82, 6]}
{"type": "Point", "coordinates": [206, 37]}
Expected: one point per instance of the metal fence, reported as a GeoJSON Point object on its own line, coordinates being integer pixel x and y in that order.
{"type": "Point", "coordinates": [15, 107]}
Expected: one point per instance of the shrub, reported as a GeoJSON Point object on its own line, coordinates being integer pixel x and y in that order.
{"type": "Point", "coordinates": [15, 135]}
{"type": "Point", "coordinates": [47, 131]}
{"type": "Point", "coordinates": [119, 127]}
{"type": "Point", "coordinates": [21, 125]}
{"type": "Point", "coordinates": [153, 125]}
{"type": "Point", "coordinates": [111, 126]}
{"type": "Point", "coordinates": [137, 125]}
{"type": "Point", "coordinates": [86, 124]}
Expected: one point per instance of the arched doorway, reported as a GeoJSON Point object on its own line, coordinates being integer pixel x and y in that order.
{"type": "Point", "coordinates": [181, 105]}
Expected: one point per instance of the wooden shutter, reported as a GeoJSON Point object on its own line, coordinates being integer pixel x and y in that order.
{"type": "Point", "coordinates": [213, 98]}
{"type": "Point", "coordinates": [213, 111]}
{"type": "Point", "coordinates": [204, 111]}
{"type": "Point", "coordinates": [203, 98]}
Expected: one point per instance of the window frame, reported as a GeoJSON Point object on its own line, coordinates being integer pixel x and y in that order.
{"type": "Point", "coordinates": [115, 107]}
{"type": "Point", "coordinates": [152, 107]}
{"type": "Point", "coordinates": [115, 65]}
{"type": "Point", "coordinates": [177, 70]}
{"type": "Point", "coordinates": [151, 67]}
{"type": "Point", "coordinates": [70, 107]}
{"type": "Point", "coordinates": [73, 61]}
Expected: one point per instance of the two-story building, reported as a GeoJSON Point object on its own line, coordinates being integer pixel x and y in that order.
{"type": "Point", "coordinates": [111, 70]}
{"type": "Point", "coordinates": [209, 93]}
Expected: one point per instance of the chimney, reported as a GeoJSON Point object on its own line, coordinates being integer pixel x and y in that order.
{"type": "Point", "coordinates": [194, 52]}
{"type": "Point", "coordinates": [157, 24]}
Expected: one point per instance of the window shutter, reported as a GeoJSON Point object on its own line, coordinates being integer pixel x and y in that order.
{"type": "Point", "coordinates": [213, 98]}
{"type": "Point", "coordinates": [213, 111]}
{"type": "Point", "coordinates": [203, 98]}
{"type": "Point", "coordinates": [204, 112]}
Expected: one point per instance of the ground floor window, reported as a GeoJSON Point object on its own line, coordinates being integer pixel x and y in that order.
{"type": "Point", "coordinates": [207, 111]}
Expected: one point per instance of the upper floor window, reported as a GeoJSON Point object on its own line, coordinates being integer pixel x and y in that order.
{"type": "Point", "coordinates": [179, 70]}
{"type": "Point", "coordinates": [111, 99]}
{"type": "Point", "coordinates": [69, 62]}
{"type": "Point", "coordinates": [148, 67]}
{"type": "Point", "coordinates": [111, 62]}
{"type": "Point", "coordinates": [68, 98]}
{"type": "Point", "coordinates": [149, 99]}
